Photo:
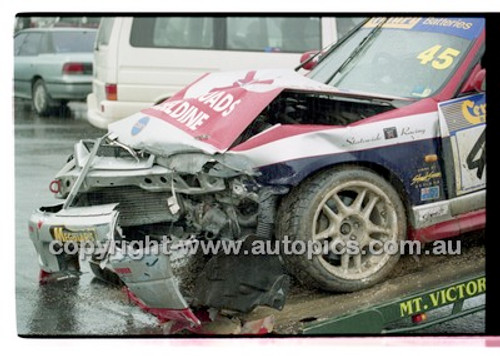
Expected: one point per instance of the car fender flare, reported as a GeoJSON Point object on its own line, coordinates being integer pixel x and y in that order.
{"type": "Point", "coordinates": [314, 167]}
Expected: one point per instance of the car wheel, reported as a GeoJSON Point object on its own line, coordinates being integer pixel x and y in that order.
{"type": "Point", "coordinates": [347, 213]}
{"type": "Point", "coordinates": [40, 98]}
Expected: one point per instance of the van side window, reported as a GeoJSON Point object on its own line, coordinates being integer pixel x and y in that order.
{"type": "Point", "coordinates": [273, 34]}
{"type": "Point", "coordinates": [173, 32]}
{"type": "Point", "coordinates": [104, 33]}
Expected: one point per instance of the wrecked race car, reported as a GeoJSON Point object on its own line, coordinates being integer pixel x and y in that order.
{"type": "Point", "coordinates": [383, 141]}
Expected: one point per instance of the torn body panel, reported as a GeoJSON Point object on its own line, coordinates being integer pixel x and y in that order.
{"type": "Point", "coordinates": [151, 278]}
{"type": "Point", "coordinates": [241, 283]}
{"type": "Point", "coordinates": [83, 224]}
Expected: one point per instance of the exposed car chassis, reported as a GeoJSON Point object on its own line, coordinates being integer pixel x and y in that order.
{"type": "Point", "coordinates": [155, 197]}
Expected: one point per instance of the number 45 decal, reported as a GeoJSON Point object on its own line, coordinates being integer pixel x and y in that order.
{"type": "Point", "coordinates": [442, 61]}
{"type": "Point", "coordinates": [479, 163]}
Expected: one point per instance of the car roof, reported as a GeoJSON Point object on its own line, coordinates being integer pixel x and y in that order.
{"type": "Point", "coordinates": [57, 29]}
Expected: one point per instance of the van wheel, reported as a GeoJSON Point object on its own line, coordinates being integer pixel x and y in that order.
{"type": "Point", "coordinates": [348, 212]}
{"type": "Point", "coordinates": [40, 98]}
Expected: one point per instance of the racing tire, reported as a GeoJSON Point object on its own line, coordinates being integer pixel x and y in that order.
{"type": "Point", "coordinates": [338, 208]}
{"type": "Point", "coordinates": [40, 98]}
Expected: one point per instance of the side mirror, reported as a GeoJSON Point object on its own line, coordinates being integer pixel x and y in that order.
{"type": "Point", "coordinates": [476, 82]}
{"type": "Point", "coordinates": [306, 57]}
{"type": "Point", "coordinates": [479, 81]}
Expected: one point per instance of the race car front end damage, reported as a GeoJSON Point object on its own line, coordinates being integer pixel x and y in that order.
{"type": "Point", "coordinates": [176, 186]}
{"type": "Point", "coordinates": [272, 156]}
{"type": "Point", "coordinates": [115, 195]}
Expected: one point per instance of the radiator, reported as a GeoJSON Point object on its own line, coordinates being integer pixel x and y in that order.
{"type": "Point", "coordinates": [136, 206]}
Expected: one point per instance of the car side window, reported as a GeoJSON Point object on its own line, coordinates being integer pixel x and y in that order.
{"type": "Point", "coordinates": [18, 41]}
{"type": "Point", "coordinates": [31, 44]}
{"type": "Point", "coordinates": [46, 45]}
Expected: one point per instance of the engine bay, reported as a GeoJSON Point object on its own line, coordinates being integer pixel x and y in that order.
{"type": "Point", "coordinates": [299, 108]}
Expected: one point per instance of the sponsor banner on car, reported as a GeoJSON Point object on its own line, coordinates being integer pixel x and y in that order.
{"type": "Point", "coordinates": [468, 28]}
{"type": "Point", "coordinates": [463, 113]}
{"type": "Point", "coordinates": [216, 109]}
{"type": "Point", "coordinates": [344, 139]}
{"type": "Point", "coordinates": [464, 121]}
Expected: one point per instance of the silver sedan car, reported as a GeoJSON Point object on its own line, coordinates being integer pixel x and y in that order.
{"type": "Point", "coordinates": [53, 66]}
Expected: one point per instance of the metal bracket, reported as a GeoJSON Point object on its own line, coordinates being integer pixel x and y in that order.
{"type": "Point", "coordinates": [83, 174]}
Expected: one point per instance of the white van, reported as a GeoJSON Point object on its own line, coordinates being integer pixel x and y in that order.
{"type": "Point", "coordinates": [140, 61]}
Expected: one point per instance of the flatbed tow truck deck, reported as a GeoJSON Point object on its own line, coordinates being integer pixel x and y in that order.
{"type": "Point", "coordinates": [71, 306]}
{"type": "Point", "coordinates": [422, 292]}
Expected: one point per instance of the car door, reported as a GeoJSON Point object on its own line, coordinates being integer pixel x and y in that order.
{"type": "Point", "coordinates": [462, 122]}
{"type": "Point", "coordinates": [25, 63]}
{"type": "Point", "coordinates": [18, 41]}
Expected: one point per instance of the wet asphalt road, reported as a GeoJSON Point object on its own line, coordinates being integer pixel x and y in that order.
{"type": "Point", "coordinates": [81, 306]}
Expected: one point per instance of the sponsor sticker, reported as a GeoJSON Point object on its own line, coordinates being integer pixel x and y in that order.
{"type": "Point", "coordinates": [64, 234]}
{"type": "Point", "coordinates": [406, 23]}
{"type": "Point", "coordinates": [429, 193]}
{"type": "Point", "coordinates": [413, 132]}
{"type": "Point", "coordinates": [423, 177]}
{"type": "Point", "coordinates": [390, 132]}
{"type": "Point", "coordinates": [474, 111]}
{"type": "Point", "coordinates": [421, 92]}
{"type": "Point", "coordinates": [465, 120]}
{"type": "Point", "coordinates": [433, 212]}
{"type": "Point", "coordinates": [468, 28]}
{"type": "Point", "coordinates": [139, 125]}
{"type": "Point", "coordinates": [354, 140]}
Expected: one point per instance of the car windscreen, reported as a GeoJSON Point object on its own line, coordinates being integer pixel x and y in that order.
{"type": "Point", "coordinates": [392, 61]}
{"type": "Point", "coordinates": [73, 41]}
